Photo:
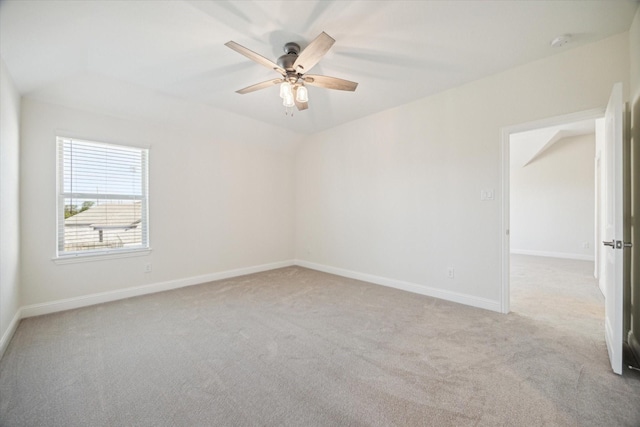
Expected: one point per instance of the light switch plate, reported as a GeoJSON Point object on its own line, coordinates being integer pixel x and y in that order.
{"type": "Point", "coordinates": [487, 195]}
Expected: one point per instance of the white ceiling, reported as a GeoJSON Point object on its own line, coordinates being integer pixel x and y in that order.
{"type": "Point", "coordinates": [131, 57]}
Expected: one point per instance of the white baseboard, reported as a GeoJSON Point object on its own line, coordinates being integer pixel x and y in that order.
{"type": "Point", "coordinates": [465, 299]}
{"type": "Point", "coordinates": [8, 334]}
{"type": "Point", "coordinates": [87, 300]}
{"type": "Point", "coordinates": [564, 255]}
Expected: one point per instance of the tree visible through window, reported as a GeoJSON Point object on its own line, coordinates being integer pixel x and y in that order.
{"type": "Point", "coordinates": [102, 197]}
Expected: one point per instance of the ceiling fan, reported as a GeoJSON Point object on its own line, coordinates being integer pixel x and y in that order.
{"type": "Point", "coordinates": [293, 66]}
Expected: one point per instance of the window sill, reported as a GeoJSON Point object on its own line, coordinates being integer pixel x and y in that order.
{"type": "Point", "coordinates": [88, 257]}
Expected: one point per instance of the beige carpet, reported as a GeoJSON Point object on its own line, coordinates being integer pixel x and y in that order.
{"type": "Point", "coordinates": [297, 347]}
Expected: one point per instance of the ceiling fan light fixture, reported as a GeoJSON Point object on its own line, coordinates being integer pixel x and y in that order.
{"type": "Point", "coordinates": [288, 101]}
{"type": "Point", "coordinates": [285, 90]}
{"type": "Point", "coordinates": [302, 95]}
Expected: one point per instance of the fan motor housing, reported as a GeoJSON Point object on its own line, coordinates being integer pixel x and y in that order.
{"type": "Point", "coordinates": [291, 51]}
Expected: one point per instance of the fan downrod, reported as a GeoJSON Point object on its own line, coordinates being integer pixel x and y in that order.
{"type": "Point", "coordinates": [292, 48]}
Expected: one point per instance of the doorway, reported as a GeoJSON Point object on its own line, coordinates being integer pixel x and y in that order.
{"type": "Point", "coordinates": [550, 134]}
{"type": "Point", "coordinates": [552, 225]}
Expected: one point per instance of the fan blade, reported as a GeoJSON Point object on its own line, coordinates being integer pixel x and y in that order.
{"type": "Point", "coordinates": [313, 53]}
{"type": "Point", "coordinates": [259, 86]}
{"type": "Point", "coordinates": [330, 82]}
{"type": "Point", "coordinates": [255, 57]}
{"type": "Point", "coordinates": [300, 105]}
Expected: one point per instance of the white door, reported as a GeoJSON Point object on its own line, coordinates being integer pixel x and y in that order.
{"type": "Point", "coordinates": [613, 227]}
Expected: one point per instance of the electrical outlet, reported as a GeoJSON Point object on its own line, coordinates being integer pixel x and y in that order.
{"type": "Point", "coordinates": [585, 245]}
{"type": "Point", "coordinates": [451, 273]}
{"type": "Point", "coordinates": [147, 268]}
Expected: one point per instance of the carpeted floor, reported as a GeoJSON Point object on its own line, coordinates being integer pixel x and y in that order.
{"type": "Point", "coordinates": [297, 347]}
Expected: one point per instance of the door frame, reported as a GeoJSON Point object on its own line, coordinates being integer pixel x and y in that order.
{"type": "Point", "coordinates": [505, 189]}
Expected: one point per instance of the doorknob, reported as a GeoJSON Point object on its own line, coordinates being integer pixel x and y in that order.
{"type": "Point", "coordinates": [618, 244]}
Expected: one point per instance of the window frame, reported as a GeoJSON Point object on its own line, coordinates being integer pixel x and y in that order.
{"type": "Point", "coordinates": [63, 257]}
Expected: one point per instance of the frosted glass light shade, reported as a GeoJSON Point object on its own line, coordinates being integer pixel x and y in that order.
{"type": "Point", "coordinates": [285, 90]}
{"type": "Point", "coordinates": [288, 101]}
{"type": "Point", "coordinates": [302, 95]}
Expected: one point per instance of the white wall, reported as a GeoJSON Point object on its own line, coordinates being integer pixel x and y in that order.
{"type": "Point", "coordinates": [397, 195]}
{"type": "Point", "coordinates": [552, 200]}
{"type": "Point", "coordinates": [221, 198]}
{"type": "Point", "coordinates": [634, 52]}
{"type": "Point", "coordinates": [9, 207]}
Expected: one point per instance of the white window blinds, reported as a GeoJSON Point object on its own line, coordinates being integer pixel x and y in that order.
{"type": "Point", "coordinates": [102, 198]}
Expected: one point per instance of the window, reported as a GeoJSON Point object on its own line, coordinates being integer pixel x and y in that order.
{"type": "Point", "coordinates": [102, 198]}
